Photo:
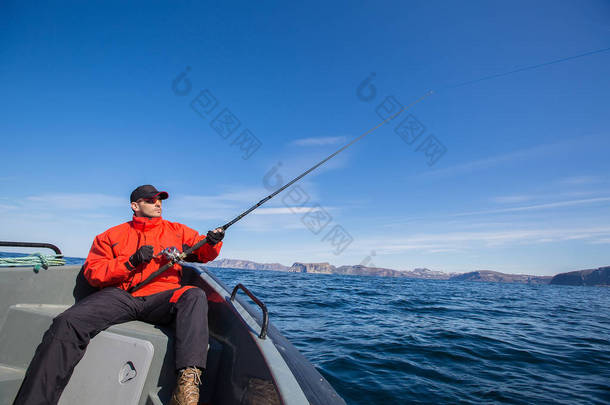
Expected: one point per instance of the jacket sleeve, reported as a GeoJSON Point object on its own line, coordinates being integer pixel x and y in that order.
{"type": "Point", "coordinates": [102, 269]}
{"type": "Point", "coordinates": [205, 253]}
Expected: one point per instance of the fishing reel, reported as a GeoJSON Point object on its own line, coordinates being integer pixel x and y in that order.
{"type": "Point", "coordinates": [172, 254]}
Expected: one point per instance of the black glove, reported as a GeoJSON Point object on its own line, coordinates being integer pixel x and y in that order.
{"type": "Point", "coordinates": [191, 257]}
{"type": "Point", "coordinates": [213, 237]}
{"type": "Point", "coordinates": [143, 255]}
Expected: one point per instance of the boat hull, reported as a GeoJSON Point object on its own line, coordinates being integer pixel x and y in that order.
{"type": "Point", "coordinates": [132, 363]}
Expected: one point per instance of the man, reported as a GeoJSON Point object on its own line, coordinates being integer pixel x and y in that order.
{"type": "Point", "coordinates": [120, 258]}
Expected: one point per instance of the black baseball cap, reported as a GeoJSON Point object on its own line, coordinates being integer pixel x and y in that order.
{"type": "Point", "coordinates": [148, 191]}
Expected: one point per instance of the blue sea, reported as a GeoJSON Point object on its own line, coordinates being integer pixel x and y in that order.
{"type": "Point", "coordinates": [381, 340]}
{"type": "Point", "coordinates": [398, 341]}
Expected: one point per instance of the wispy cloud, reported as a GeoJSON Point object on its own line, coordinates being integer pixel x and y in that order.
{"type": "Point", "coordinates": [449, 241]}
{"type": "Point", "coordinates": [283, 210]}
{"type": "Point", "coordinates": [218, 200]}
{"type": "Point", "coordinates": [76, 201]}
{"type": "Point", "coordinates": [225, 206]}
{"type": "Point", "coordinates": [320, 141]}
{"type": "Point", "coordinates": [511, 199]}
{"type": "Point", "coordinates": [215, 206]}
{"type": "Point", "coordinates": [558, 204]}
{"type": "Point", "coordinates": [550, 195]}
{"type": "Point", "coordinates": [581, 180]}
{"type": "Point", "coordinates": [69, 220]}
{"type": "Point", "coordinates": [485, 163]}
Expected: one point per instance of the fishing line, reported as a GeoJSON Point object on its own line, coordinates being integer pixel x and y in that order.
{"type": "Point", "coordinates": [528, 68]}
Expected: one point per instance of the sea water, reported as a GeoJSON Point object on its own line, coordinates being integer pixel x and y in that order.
{"type": "Point", "coordinates": [381, 340]}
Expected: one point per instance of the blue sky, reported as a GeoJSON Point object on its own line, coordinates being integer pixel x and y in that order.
{"type": "Point", "coordinates": [93, 108]}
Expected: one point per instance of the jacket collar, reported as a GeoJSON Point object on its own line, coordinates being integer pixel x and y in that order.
{"type": "Point", "coordinates": [145, 224]}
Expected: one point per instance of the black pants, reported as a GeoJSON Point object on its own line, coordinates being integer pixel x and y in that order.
{"type": "Point", "coordinates": [64, 344]}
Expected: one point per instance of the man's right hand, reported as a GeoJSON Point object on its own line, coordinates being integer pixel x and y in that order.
{"type": "Point", "coordinates": [143, 255]}
{"type": "Point", "coordinates": [215, 236]}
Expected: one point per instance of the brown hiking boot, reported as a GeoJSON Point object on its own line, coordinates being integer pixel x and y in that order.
{"type": "Point", "coordinates": [187, 387]}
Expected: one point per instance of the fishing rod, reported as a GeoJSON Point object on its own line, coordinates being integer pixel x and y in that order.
{"type": "Point", "coordinates": [175, 256]}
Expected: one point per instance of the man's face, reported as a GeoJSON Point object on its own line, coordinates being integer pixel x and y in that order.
{"type": "Point", "coordinates": [147, 207]}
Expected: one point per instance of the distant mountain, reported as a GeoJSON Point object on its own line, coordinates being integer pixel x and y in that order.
{"type": "Point", "coordinates": [497, 277]}
{"type": "Point", "coordinates": [246, 264]}
{"type": "Point", "coordinates": [600, 276]}
{"type": "Point", "coordinates": [326, 268]}
{"type": "Point", "coordinates": [590, 277]}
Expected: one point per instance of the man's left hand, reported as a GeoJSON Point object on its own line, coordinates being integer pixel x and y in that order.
{"type": "Point", "coordinates": [215, 236]}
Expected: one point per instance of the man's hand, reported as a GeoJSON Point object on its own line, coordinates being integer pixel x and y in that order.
{"type": "Point", "coordinates": [215, 236]}
{"type": "Point", "coordinates": [192, 257]}
{"type": "Point", "coordinates": [143, 255]}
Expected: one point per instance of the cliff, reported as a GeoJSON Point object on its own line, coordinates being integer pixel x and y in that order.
{"type": "Point", "coordinates": [497, 277]}
{"type": "Point", "coordinates": [369, 271]}
{"type": "Point", "coordinates": [246, 264]}
{"type": "Point", "coordinates": [315, 268]}
{"type": "Point", "coordinates": [590, 277]}
{"type": "Point", "coordinates": [327, 268]}
{"type": "Point", "coordinates": [359, 270]}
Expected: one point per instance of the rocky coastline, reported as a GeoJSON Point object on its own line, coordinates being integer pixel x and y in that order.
{"type": "Point", "coordinates": [359, 270]}
{"type": "Point", "coordinates": [590, 277]}
{"type": "Point", "coordinates": [497, 277]}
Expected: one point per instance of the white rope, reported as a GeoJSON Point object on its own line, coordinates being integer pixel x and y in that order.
{"type": "Point", "coordinates": [36, 260]}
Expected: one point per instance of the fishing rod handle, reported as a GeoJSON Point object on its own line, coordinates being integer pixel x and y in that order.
{"type": "Point", "coordinates": [167, 265]}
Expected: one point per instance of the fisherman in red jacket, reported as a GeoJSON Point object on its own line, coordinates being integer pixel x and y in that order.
{"type": "Point", "coordinates": [120, 258]}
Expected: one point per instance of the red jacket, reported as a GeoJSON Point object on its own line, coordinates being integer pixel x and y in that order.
{"type": "Point", "coordinates": [106, 264]}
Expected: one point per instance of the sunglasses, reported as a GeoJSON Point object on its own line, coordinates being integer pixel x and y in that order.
{"type": "Point", "coordinates": [149, 200]}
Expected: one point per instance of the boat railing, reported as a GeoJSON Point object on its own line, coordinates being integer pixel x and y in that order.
{"type": "Point", "coordinates": [265, 324]}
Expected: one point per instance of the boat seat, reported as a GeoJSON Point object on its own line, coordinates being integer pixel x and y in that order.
{"type": "Point", "coordinates": [142, 360]}
{"type": "Point", "coordinates": [10, 380]}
